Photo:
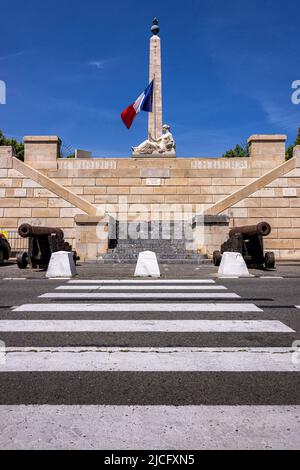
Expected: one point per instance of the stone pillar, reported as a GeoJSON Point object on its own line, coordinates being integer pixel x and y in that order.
{"type": "Point", "coordinates": [155, 118]}
{"type": "Point", "coordinates": [213, 232]}
{"type": "Point", "coordinates": [296, 154]}
{"type": "Point", "coordinates": [42, 152]}
{"type": "Point", "coordinates": [270, 148]}
{"type": "Point", "coordinates": [91, 236]}
{"type": "Point", "coordinates": [6, 154]}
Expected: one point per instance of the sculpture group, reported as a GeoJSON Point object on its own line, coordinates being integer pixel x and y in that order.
{"type": "Point", "coordinates": [163, 145]}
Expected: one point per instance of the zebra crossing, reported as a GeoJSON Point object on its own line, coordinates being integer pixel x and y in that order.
{"type": "Point", "coordinates": [147, 364]}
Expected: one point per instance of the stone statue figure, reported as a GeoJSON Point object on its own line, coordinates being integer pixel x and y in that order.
{"type": "Point", "coordinates": [164, 145]}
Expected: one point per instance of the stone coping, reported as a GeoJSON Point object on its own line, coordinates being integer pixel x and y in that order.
{"type": "Point", "coordinates": [267, 138]}
{"type": "Point", "coordinates": [83, 219]}
{"type": "Point", "coordinates": [41, 138]}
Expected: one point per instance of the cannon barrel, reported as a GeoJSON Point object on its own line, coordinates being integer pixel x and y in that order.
{"type": "Point", "coordinates": [263, 229]}
{"type": "Point", "coordinates": [27, 230]}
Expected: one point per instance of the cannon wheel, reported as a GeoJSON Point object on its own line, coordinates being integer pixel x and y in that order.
{"type": "Point", "coordinates": [1, 258]}
{"type": "Point", "coordinates": [217, 257]}
{"type": "Point", "coordinates": [22, 260]}
{"type": "Point", "coordinates": [270, 260]}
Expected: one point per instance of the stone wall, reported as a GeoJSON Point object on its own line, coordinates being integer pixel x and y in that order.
{"type": "Point", "coordinates": [54, 191]}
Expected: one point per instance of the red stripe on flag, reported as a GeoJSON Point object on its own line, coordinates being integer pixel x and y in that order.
{"type": "Point", "coordinates": [128, 116]}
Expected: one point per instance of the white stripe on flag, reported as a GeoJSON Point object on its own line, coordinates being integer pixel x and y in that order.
{"type": "Point", "coordinates": [138, 102]}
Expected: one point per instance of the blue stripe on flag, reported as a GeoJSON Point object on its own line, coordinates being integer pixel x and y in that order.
{"type": "Point", "coordinates": [147, 103]}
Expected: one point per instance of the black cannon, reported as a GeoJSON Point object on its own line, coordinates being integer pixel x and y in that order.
{"type": "Point", "coordinates": [43, 241]}
{"type": "Point", "coordinates": [248, 241]}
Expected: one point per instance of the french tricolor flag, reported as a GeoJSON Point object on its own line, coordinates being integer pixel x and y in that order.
{"type": "Point", "coordinates": [143, 102]}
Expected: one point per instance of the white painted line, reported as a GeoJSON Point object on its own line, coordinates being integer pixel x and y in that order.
{"type": "Point", "coordinates": [139, 295]}
{"type": "Point", "coordinates": [138, 287]}
{"type": "Point", "coordinates": [143, 281]}
{"type": "Point", "coordinates": [271, 277]}
{"type": "Point", "coordinates": [149, 359]}
{"type": "Point", "coordinates": [136, 307]}
{"type": "Point", "coordinates": [85, 427]}
{"type": "Point", "coordinates": [297, 306]}
{"type": "Point", "coordinates": [180, 326]}
{"type": "Point", "coordinates": [15, 278]}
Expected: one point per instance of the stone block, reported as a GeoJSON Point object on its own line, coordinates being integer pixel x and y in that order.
{"type": "Point", "coordinates": [61, 265]}
{"type": "Point", "coordinates": [45, 212]}
{"type": "Point", "coordinates": [233, 264]}
{"type": "Point", "coordinates": [155, 173]}
{"type": "Point", "coordinates": [17, 212]}
{"type": "Point", "coordinates": [9, 202]}
{"type": "Point", "coordinates": [147, 265]}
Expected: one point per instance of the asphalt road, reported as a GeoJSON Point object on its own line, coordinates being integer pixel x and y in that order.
{"type": "Point", "coordinates": [233, 389]}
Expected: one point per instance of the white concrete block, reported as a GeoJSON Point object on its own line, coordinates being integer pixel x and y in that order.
{"type": "Point", "coordinates": [147, 265]}
{"type": "Point", "coordinates": [233, 264]}
{"type": "Point", "coordinates": [61, 265]}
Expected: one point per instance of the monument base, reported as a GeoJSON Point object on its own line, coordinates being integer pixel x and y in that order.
{"type": "Point", "coordinates": [153, 155]}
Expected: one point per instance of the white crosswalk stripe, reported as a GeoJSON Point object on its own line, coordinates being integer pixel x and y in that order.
{"type": "Point", "coordinates": [88, 326]}
{"type": "Point", "coordinates": [138, 307]}
{"type": "Point", "coordinates": [143, 281]}
{"type": "Point", "coordinates": [139, 295]}
{"type": "Point", "coordinates": [145, 325]}
{"type": "Point", "coordinates": [118, 287]}
{"type": "Point", "coordinates": [149, 359]}
{"type": "Point", "coordinates": [91, 427]}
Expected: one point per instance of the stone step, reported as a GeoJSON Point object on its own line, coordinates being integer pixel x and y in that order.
{"type": "Point", "coordinates": [165, 261]}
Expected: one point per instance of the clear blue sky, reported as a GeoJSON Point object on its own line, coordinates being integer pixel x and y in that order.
{"type": "Point", "coordinates": [71, 67]}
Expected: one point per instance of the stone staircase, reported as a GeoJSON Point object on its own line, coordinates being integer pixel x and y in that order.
{"type": "Point", "coordinates": [168, 250]}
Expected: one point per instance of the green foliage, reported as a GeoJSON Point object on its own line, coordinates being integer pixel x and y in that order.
{"type": "Point", "coordinates": [289, 150]}
{"type": "Point", "coordinates": [297, 141]}
{"type": "Point", "coordinates": [238, 151]}
{"type": "Point", "coordinates": [17, 146]}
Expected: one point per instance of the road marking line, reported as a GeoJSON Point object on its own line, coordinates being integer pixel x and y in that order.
{"type": "Point", "coordinates": [138, 307]}
{"type": "Point", "coordinates": [136, 427]}
{"type": "Point", "coordinates": [149, 359]}
{"type": "Point", "coordinates": [138, 287]}
{"type": "Point", "coordinates": [271, 277]}
{"type": "Point", "coordinates": [143, 281]}
{"type": "Point", "coordinates": [139, 295]}
{"type": "Point", "coordinates": [145, 326]}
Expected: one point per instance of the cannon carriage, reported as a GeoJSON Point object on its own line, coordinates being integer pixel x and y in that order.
{"type": "Point", "coordinates": [248, 240]}
{"type": "Point", "coordinates": [43, 241]}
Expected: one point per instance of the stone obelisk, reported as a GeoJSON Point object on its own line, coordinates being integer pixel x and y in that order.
{"type": "Point", "coordinates": [155, 118]}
